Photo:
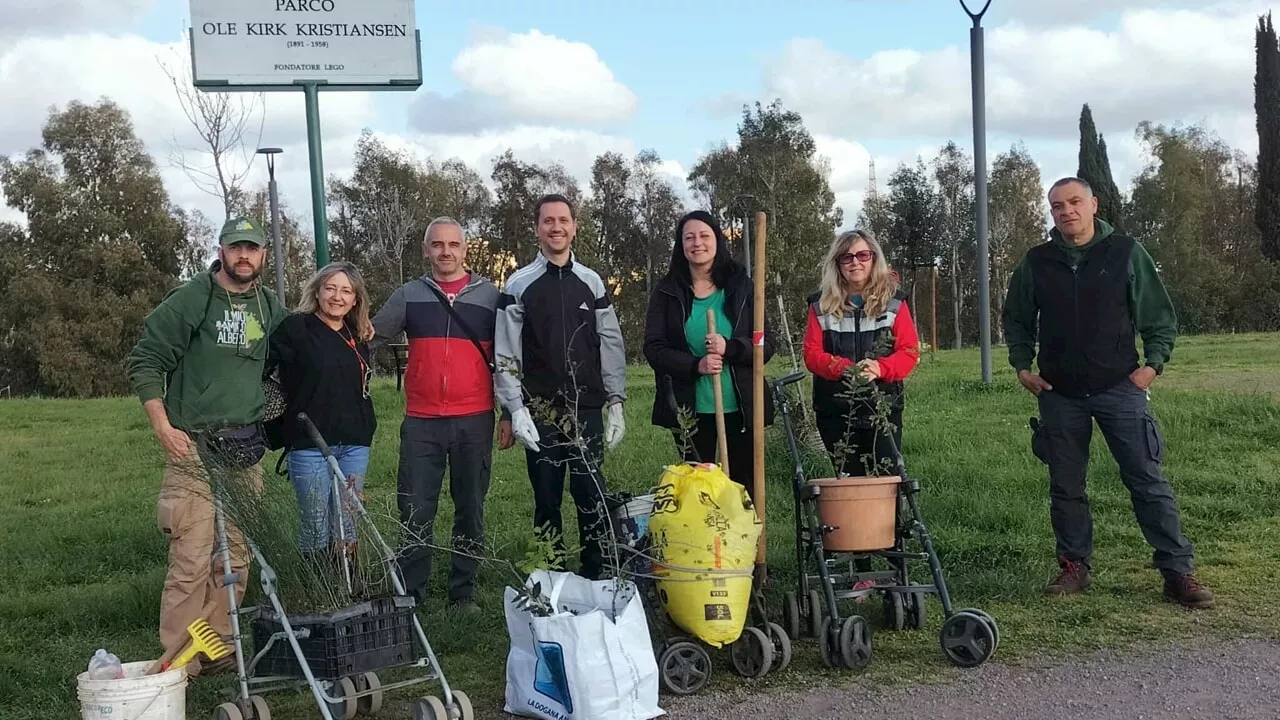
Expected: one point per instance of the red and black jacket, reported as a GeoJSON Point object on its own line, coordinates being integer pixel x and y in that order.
{"type": "Point", "coordinates": [446, 374]}
{"type": "Point", "coordinates": [833, 344]}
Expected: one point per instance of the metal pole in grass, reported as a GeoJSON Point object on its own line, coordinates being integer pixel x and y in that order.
{"type": "Point", "coordinates": [978, 72]}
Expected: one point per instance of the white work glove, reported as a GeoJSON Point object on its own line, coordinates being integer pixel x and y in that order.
{"type": "Point", "coordinates": [523, 428]}
{"type": "Point", "coordinates": [614, 426]}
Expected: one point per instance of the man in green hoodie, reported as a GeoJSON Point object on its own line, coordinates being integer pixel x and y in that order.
{"type": "Point", "coordinates": [198, 371]}
{"type": "Point", "coordinates": [1083, 296]}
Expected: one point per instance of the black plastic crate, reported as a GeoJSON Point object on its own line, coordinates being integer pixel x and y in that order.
{"type": "Point", "coordinates": [371, 635]}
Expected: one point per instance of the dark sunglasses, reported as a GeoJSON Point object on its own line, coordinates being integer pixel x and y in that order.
{"type": "Point", "coordinates": [862, 256]}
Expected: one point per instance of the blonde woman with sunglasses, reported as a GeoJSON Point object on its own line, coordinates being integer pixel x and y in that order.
{"type": "Point", "coordinates": [859, 323]}
{"type": "Point", "coordinates": [322, 354]}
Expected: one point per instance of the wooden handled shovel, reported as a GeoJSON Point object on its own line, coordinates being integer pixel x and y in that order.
{"type": "Point", "coordinates": [757, 387]}
{"type": "Point", "coordinates": [721, 435]}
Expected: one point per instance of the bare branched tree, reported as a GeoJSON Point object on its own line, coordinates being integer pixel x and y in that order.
{"type": "Point", "coordinates": [228, 125]}
{"type": "Point", "coordinates": [393, 219]}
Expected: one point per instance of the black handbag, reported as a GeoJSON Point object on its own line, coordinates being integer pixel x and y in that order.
{"type": "Point", "coordinates": [236, 447]}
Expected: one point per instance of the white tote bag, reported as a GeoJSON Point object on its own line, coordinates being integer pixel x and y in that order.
{"type": "Point", "coordinates": [590, 660]}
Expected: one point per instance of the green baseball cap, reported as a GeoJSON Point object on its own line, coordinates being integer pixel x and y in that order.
{"type": "Point", "coordinates": [242, 229]}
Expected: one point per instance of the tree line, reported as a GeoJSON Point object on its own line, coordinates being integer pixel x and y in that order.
{"type": "Point", "coordinates": [104, 242]}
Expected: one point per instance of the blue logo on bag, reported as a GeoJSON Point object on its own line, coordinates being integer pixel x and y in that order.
{"type": "Point", "coordinates": [549, 678]}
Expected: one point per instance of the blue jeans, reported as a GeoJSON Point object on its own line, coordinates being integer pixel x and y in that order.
{"type": "Point", "coordinates": [313, 484]}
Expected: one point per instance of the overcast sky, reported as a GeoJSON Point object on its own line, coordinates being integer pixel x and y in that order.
{"type": "Point", "coordinates": [566, 81]}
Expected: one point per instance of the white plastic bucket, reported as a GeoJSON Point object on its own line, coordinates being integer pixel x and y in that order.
{"type": "Point", "coordinates": [633, 518]}
{"type": "Point", "coordinates": [162, 696]}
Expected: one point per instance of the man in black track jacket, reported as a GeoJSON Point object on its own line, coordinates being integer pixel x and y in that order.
{"type": "Point", "coordinates": [559, 347]}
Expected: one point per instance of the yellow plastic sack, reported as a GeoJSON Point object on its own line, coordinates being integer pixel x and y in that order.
{"type": "Point", "coordinates": [703, 535]}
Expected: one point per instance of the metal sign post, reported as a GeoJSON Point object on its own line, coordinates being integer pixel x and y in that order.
{"type": "Point", "coordinates": [319, 208]}
{"type": "Point", "coordinates": [308, 46]}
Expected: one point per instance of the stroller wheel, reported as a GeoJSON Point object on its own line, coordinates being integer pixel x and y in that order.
{"type": "Point", "coordinates": [895, 611]}
{"type": "Point", "coordinates": [227, 711]}
{"type": "Point", "coordinates": [344, 709]}
{"type": "Point", "coordinates": [791, 613]}
{"type": "Point", "coordinates": [855, 642]}
{"type": "Point", "coordinates": [429, 708]}
{"type": "Point", "coordinates": [816, 613]}
{"type": "Point", "coordinates": [967, 639]}
{"type": "Point", "coordinates": [828, 643]}
{"type": "Point", "coordinates": [369, 704]}
{"type": "Point", "coordinates": [752, 653]}
{"type": "Point", "coordinates": [991, 623]}
{"type": "Point", "coordinates": [684, 667]}
{"type": "Point", "coordinates": [260, 709]}
{"type": "Point", "coordinates": [461, 709]}
{"type": "Point", "coordinates": [781, 647]}
{"type": "Point", "coordinates": [916, 610]}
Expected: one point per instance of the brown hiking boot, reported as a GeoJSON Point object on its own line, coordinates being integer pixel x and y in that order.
{"type": "Point", "coordinates": [1185, 590]}
{"type": "Point", "coordinates": [1073, 579]}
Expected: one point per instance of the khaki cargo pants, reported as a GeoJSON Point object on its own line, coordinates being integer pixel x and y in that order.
{"type": "Point", "coordinates": [193, 586]}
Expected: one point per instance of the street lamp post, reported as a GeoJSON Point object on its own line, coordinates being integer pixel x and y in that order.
{"type": "Point", "coordinates": [746, 231]}
{"type": "Point", "coordinates": [978, 72]}
{"type": "Point", "coordinates": [277, 247]}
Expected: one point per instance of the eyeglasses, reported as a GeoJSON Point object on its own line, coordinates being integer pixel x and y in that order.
{"type": "Point", "coordinates": [862, 256]}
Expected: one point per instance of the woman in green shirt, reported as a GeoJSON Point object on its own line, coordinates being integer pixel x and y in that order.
{"type": "Point", "coordinates": [685, 356]}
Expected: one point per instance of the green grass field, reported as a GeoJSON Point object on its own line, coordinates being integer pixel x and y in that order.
{"type": "Point", "coordinates": [83, 562]}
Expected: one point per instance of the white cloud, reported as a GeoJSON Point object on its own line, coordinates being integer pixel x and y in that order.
{"type": "Point", "coordinates": [1169, 66]}
{"type": "Point", "coordinates": [513, 79]}
{"type": "Point", "coordinates": [26, 17]}
{"type": "Point", "coordinates": [545, 77]}
{"type": "Point", "coordinates": [1036, 80]}
{"type": "Point", "coordinates": [127, 69]}
{"type": "Point", "coordinates": [1043, 12]}
{"type": "Point", "coordinates": [574, 149]}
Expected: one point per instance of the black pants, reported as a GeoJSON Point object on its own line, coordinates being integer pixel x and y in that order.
{"type": "Point", "coordinates": [587, 486]}
{"type": "Point", "coordinates": [702, 447]}
{"type": "Point", "coordinates": [427, 445]}
{"type": "Point", "coordinates": [867, 452]}
{"type": "Point", "coordinates": [1134, 438]}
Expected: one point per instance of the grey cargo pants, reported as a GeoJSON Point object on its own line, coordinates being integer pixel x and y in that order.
{"type": "Point", "coordinates": [1134, 438]}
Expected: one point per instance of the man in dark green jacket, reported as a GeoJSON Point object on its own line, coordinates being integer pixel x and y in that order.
{"type": "Point", "coordinates": [198, 370]}
{"type": "Point", "coordinates": [1083, 296]}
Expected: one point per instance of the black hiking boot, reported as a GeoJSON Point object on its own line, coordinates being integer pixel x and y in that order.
{"type": "Point", "coordinates": [1073, 579]}
{"type": "Point", "coordinates": [1184, 589]}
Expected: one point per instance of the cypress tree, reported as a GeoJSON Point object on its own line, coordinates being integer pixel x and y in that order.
{"type": "Point", "coordinates": [1266, 104]}
{"type": "Point", "coordinates": [1095, 169]}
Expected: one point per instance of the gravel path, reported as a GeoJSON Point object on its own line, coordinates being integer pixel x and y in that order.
{"type": "Point", "coordinates": [1238, 680]}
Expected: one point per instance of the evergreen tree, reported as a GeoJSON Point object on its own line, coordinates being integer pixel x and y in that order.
{"type": "Point", "coordinates": [1095, 169]}
{"type": "Point", "coordinates": [1266, 103]}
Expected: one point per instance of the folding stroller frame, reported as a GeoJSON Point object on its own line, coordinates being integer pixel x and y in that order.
{"type": "Point", "coordinates": [968, 637]}
{"type": "Point", "coordinates": [340, 699]}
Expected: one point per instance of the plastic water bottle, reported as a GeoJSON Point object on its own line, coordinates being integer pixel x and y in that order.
{"type": "Point", "coordinates": [105, 666]}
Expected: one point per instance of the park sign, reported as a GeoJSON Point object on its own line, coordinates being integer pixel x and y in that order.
{"type": "Point", "coordinates": [284, 44]}
{"type": "Point", "coordinates": [307, 46]}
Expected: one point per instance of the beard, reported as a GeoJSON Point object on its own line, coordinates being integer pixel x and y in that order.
{"type": "Point", "coordinates": [243, 272]}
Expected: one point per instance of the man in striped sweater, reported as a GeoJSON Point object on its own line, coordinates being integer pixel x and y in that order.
{"type": "Point", "coordinates": [448, 317]}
